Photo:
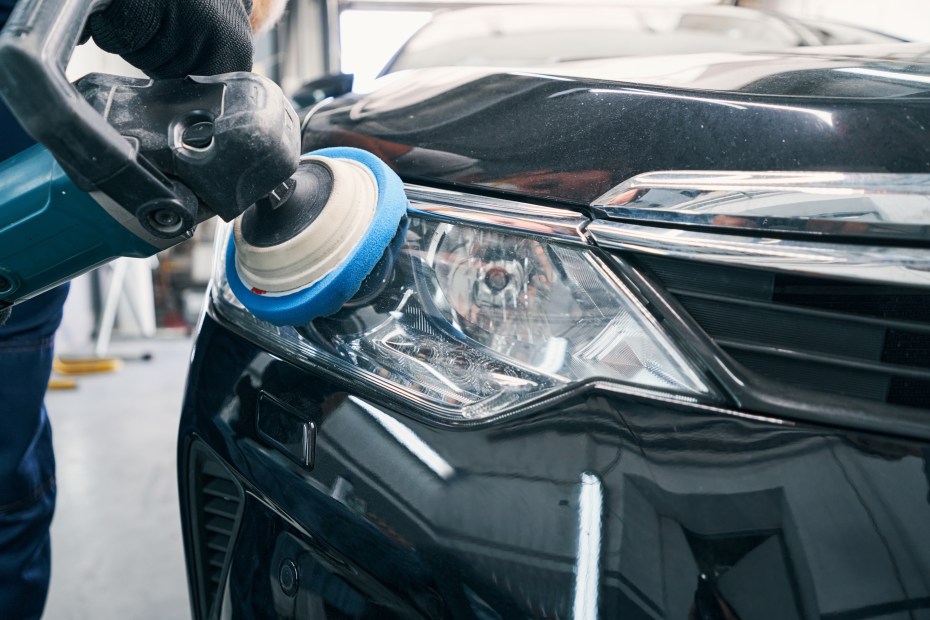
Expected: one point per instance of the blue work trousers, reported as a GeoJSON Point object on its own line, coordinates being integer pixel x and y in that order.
{"type": "Point", "coordinates": [27, 463]}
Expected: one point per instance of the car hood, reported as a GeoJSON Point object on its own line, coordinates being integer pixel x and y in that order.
{"type": "Point", "coordinates": [570, 132]}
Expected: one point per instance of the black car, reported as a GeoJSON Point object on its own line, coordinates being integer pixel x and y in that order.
{"type": "Point", "coordinates": [653, 344]}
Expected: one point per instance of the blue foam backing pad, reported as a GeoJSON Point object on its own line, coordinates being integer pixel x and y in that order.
{"type": "Point", "coordinates": [336, 288]}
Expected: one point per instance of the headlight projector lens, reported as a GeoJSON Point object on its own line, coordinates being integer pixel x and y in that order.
{"type": "Point", "coordinates": [304, 251]}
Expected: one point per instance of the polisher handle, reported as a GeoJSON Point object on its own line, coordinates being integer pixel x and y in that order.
{"type": "Point", "coordinates": [35, 47]}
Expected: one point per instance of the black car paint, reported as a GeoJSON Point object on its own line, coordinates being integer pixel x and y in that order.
{"type": "Point", "coordinates": [704, 514]}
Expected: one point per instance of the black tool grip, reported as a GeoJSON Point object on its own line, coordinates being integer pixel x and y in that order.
{"type": "Point", "coordinates": [35, 47]}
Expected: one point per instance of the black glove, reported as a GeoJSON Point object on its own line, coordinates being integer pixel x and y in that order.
{"type": "Point", "coordinates": [175, 38]}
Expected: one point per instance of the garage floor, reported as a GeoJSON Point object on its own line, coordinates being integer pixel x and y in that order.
{"type": "Point", "coordinates": [116, 538]}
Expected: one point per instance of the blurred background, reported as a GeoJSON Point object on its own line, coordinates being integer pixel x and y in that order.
{"type": "Point", "coordinates": [117, 518]}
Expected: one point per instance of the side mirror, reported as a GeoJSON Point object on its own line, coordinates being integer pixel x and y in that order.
{"type": "Point", "coordinates": [317, 90]}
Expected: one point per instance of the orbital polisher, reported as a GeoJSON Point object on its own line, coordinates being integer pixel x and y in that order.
{"type": "Point", "coordinates": [129, 167]}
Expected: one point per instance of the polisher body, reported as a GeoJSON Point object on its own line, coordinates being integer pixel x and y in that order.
{"type": "Point", "coordinates": [209, 146]}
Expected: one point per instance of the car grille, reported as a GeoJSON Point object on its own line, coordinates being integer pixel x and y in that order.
{"type": "Point", "coordinates": [217, 502]}
{"type": "Point", "coordinates": [859, 339]}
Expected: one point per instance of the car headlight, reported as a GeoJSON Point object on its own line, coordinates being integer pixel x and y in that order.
{"type": "Point", "coordinates": [468, 322]}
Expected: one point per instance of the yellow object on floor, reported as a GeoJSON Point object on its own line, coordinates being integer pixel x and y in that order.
{"type": "Point", "coordinates": [62, 384]}
{"type": "Point", "coordinates": [86, 366]}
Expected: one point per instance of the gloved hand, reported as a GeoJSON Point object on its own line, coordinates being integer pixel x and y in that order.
{"type": "Point", "coordinates": [175, 38]}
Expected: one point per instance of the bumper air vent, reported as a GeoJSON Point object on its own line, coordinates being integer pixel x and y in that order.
{"type": "Point", "coordinates": [859, 339]}
{"type": "Point", "coordinates": [217, 503]}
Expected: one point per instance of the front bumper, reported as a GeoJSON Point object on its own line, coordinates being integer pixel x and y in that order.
{"type": "Point", "coordinates": [601, 506]}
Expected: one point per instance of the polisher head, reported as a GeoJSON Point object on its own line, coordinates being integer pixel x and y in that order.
{"type": "Point", "coordinates": [304, 250]}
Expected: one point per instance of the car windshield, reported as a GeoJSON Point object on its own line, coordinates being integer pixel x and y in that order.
{"type": "Point", "coordinates": [539, 35]}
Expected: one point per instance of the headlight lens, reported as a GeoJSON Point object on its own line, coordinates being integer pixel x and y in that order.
{"type": "Point", "coordinates": [470, 323]}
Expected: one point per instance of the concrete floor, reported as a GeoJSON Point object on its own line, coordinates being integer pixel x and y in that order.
{"type": "Point", "coordinates": [116, 537]}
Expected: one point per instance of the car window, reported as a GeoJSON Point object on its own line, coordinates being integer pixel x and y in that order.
{"type": "Point", "coordinates": [539, 35]}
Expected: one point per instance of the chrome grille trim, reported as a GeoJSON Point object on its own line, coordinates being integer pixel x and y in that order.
{"type": "Point", "coordinates": [828, 205]}
{"type": "Point", "coordinates": [879, 264]}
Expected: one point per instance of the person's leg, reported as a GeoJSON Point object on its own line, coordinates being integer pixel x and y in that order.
{"type": "Point", "coordinates": [27, 462]}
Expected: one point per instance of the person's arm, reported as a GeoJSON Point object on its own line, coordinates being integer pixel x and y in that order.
{"type": "Point", "coordinates": [265, 13]}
